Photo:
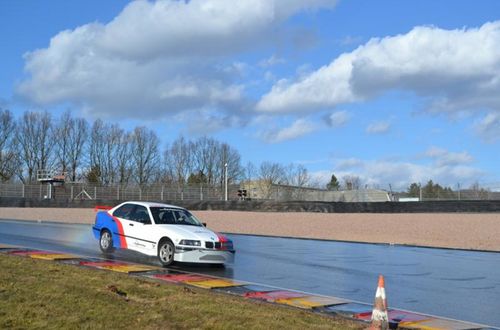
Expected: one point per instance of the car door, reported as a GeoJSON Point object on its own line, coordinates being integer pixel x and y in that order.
{"type": "Point", "coordinates": [122, 216]}
{"type": "Point", "coordinates": [141, 227]}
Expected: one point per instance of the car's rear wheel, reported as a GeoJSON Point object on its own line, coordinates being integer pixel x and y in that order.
{"type": "Point", "coordinates": [106, 241]}
{"type": "Point", "coordinates": [166, 251]}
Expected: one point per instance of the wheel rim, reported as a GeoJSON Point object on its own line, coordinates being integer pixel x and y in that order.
{"type": "Point", "coordinates": [166, 253]}
{"type": "Point", "coordinates": [105, 240]}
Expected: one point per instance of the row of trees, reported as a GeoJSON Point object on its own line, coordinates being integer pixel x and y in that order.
{"type": "Point", "coordinates": [435, 190]}
{"type": "Point", "coordinates": [104, 153]}
{"type": "Point", "coordinates": [429, 190]}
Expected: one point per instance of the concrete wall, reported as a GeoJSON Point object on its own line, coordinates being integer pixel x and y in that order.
{"type": "Point", "coordinates": [271, 206]}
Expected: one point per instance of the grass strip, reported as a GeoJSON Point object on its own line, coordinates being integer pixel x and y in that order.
{"type": "Point", "coordinates": [44, 294]}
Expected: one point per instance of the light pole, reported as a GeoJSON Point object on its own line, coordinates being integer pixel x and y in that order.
{"type": "Point", "coordinates": [225, 181]}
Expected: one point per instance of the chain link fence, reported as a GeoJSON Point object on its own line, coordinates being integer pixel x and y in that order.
{"type": "Point", "coordinates": [490, 193]}
{"type": "Point", "coordinates": [273, 192]}
{"type": "Point", "coordinates": [292, 193]}
{"type": "Point", "coordinates": [80, 191]}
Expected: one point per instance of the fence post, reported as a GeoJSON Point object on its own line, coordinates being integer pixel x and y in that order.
{"type": "Point", "coordinates": [95, 192]}
{"type": "Point", "coordinates": [71, 192]}
{"type": "Point", "coordinates": [161, 193]}
{"type": "Point", "coordinates": [201, 191]}
{"type": "Point", "coordinates": [140, 194]}
{"type": "Point", "coordinates": [40, 191]}
{"type": "Point", "coordinates": [24, 192]}
{"type": "Point", "coordinates": [118, 192]}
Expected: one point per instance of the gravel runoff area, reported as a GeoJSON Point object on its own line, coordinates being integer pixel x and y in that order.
{"type": "Point", "coordinates": [477, 231]}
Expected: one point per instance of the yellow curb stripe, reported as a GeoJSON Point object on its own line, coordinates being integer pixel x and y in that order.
{"type": "Point", "coordinates": [55, 256]}
{"type": "Point", "coordinates": [215, 283]}
{"type": "Point", "coordinates": [309, 302]}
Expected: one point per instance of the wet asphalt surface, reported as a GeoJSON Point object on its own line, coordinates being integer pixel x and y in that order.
{"type": "Point", "coordinates": [451, 283]}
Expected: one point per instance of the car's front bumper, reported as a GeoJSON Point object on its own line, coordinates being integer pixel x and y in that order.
{"type": "Point", "coordinates": [207, 256]}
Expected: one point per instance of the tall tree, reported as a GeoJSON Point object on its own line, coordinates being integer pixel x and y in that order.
{"type": "Point", "coordinates": [9, 160]}
{"type": "Point", "coordinates": [352, 182]}
{"type": "Point", "coordinates": [297, 175]}
{"type": "Point", "coordinates": [230, 157]}
{"type": "Point", "coordinates": [274, 173]}
{"type": "Point", "coordinates": [204, 157]}
{"type": "Point", "coordinates": [178, 160]}
{"type": "Point", "coordinates": [123, 161]}
{"type": "Point", "coordinates": [145, 155]}
{"type": "Point", "coordinates": [96, 152]}
{"type": "Point", "coordinates": [34, 136]}
{"type": "Point", "coordinates": [250, 172]}
{"type": "Point", "coordinates": [414, 190]}
{"type": "Point", "coordinates": [78, 138]}
{"type": "Point", "coordinates": [61, 132]}
{"type": "Point", "coordinates": [334, 184]}
{"type": "Point", "coordinates": [108, 147]}
{"type": "Point", "coordinates": [269, 175]}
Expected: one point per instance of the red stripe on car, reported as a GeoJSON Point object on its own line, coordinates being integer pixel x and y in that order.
{"type": "Point", "coordinates": [123, 241]}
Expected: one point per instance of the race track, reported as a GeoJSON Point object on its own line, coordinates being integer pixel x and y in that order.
{"type": "Point", "coordinates": [457, 284]}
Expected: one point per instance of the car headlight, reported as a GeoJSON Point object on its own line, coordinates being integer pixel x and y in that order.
{"type": "Point", "coordinates": [190, 242]}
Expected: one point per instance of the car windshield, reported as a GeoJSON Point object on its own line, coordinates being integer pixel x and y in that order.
{"type": "Point", "coordinates": [168, 216]}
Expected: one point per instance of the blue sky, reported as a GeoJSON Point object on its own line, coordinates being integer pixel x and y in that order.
{"type": "Point", "coordinates": [391, 91]}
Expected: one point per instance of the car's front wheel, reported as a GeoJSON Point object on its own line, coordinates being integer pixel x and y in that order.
{"type": "Point", "coordinates": [166, 251]}
{"type": "Point", "coordinates": [106, 241]}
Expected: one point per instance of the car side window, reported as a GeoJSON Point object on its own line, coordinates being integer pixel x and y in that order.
{"type": "Point", "coordinates": [124, 211]}
{"type": "Point", "coordinates": [141, 215]}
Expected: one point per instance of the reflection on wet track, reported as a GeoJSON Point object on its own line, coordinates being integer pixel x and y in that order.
{"type": "Point", "coordinates": [457, 284]}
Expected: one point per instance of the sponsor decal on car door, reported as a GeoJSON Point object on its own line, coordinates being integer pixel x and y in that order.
{"type": "Point", "coordinates": [121, 217]}
{"type": "Point", "coordinates": [141, 232]}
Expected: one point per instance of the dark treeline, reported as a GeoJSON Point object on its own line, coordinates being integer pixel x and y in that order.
{"type": "Point", "coordinates": [434, 190]}
{"type": "Point", "coordinates": [107, 154]}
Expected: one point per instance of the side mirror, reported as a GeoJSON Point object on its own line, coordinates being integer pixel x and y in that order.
{"type": "Point", "coordinates": [204, 224]}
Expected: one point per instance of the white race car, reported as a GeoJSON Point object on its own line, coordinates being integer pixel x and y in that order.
{"type": "Point", "coordinates": [169, 232]}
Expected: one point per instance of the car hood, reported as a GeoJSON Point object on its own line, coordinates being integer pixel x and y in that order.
{"type": "Point", "coordinates": [190, 232]}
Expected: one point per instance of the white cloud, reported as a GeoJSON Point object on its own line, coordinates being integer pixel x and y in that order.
{"type": "Point", "coordinates": [378, 127]}
{"type": "Point", "coordinates": [489, 127]}
{"type": "Point", "coordinates": [269, 76]}
{"type": "Point", "coordinates": [440, 165]}
{"type": "Point", "coordinates": [455, 70]}
{"type": "Point", "coordinates": [299, 128]}
{"type": "Point", "coordinates": [348, 163]}
{"type": "Point", "coordinates": [271, 61]}
{"type": "Point", "coordinates": [206, 121]}
{"type": "Point", "coordinates": [146, 63]}
{"type": "Point", "coordinates": [443, 157]}
{"type": "Point", "coordinates": [329, 86]}
{"type": "Point", "coordinates": [401, 174]}
{"type": "Point", "coordinates": [338, 118]}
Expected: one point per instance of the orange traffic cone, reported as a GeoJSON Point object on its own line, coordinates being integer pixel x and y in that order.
{"type": "Point", "coordinates": [380, 319]}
